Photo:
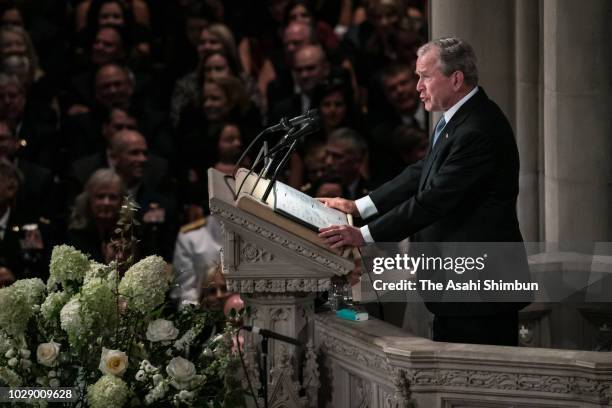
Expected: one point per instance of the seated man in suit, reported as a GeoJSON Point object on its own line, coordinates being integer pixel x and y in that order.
{"type": "Point", "coordinates": [310, 68]}
{"type": "Point", "coordinates": [37, 195]}
{"type": "Point", "coordinates": [345, 154]}
{"type": "Point", "coordinates": [24, 244]}
{"type": "Point", "coordinates": [146, 179]}
{"type": "Point", "coordinates": [399, 107]}
{"type": "Point", "coordinates": [34, 124]}
{"type": "Point", "coordinates": [465, 190]}
{"type": "Point", "coordinates": [114, 88]}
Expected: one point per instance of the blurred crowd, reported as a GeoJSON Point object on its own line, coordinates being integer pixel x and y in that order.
{"type": "Point", "coordinates": [101, 98]}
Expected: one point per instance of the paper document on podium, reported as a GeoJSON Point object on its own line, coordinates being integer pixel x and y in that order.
{"type": "Point", "coordinates": [304, 209]}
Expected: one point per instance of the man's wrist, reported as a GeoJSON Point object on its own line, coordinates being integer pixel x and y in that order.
{"type": "Point", "coordinates": [365, 207]}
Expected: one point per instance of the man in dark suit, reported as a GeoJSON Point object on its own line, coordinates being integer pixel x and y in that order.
{"type": "Point", "coordinates": [465, 190]}
{"type": "Point", "coordinates": [24, 244]}
{"type": "Point", "coordinates": [345, 153]}
{"type": "Point", "coordinates": [32, 122]}
{"type": "Point", "coordinates": [145, 178]}
{"type": "Point", "coordinates": [310, 67]}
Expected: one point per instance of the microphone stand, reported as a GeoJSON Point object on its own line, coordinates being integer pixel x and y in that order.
{"type": "Point", "coordinates": [280, 166]}
{"type": "Point", "coordinates": [264, 368]}
{"type": "Point", "coordinates": [265, 337]}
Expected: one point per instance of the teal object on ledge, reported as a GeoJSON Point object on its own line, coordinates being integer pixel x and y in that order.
{"type": "Point", "coordinates": [350, 314]}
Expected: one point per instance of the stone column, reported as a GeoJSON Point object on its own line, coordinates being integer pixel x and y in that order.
{"type": "Point", "coordinates": [527, 66]}
{"type": "Point", "coordinates": [577, 120]}
{"type": "Point", "coordinates": [489, 27]}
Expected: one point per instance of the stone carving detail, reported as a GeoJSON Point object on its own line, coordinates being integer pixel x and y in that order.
{"type": "Point", "coordinates": [279, 314]}
{"type": "Point", "coordinates": [311, 382]}
{"type": "Point", "coordinates": [276, 285]}
{"type": "Point", "coordinates": [402, 394]}
{"type": "Point", "coordinates": [338, 348]}
{"type": "Point", "coordinates": [250, 253]}
{"type": "Point", "coordinates": [361, 397]}
{"type": "Point", "coordinates": [259, 230]}
{"type": "Point", "coordinates": [283, 390]}
{"type": "Point", "coordinates": [252, 370]}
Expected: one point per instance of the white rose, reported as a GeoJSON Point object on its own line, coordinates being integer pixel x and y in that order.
{"type": "Point", "coordinates": [113, 362]}
{"type": "Point", "coordinates": [182, 372]}
{"type": "Point", "coordinates": [47, 353]}
{"type": "Point", "coordinates": [13, 362]}
{"type": "Point", "coordinates": [26, 364]}
{"type": "Point", "coordinates": [161, 330]}
{"type": "Point", "coordinates": [54, 383]}
{"type": "Point", "coordinates": [25, 353]}
{"type": "Point", "coordinates": [10, 353]}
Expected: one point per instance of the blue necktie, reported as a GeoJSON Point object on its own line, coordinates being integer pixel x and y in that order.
{"type": "Point", "coordinates": [439, 128]}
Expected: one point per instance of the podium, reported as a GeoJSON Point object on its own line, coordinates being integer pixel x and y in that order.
{"type": "Point", "coordinates": [277, 266]}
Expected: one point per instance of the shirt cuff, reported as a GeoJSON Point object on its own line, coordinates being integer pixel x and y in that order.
{"type": "Point", "coordinates": [365, 232]}
{"type": "Point", "coordinates": [366, 207]}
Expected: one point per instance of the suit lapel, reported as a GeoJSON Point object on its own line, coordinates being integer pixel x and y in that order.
{"type": "Point", "coordinates": [448, 132]}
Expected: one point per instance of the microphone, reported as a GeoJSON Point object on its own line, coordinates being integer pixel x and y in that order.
{"type": "Point", "coordinates": [309, 125]}
{"type": "Point", "coordinates": [286, 124]}
{"type": "Point", "coordinates": [272, 335]}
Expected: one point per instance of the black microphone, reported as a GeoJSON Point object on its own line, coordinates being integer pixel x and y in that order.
{"type": "Point", "coordinates": [272, 335]}
{"type": "Point", "coordinates": [286, 124]}
{"type": "Point", "coordinates": [308, 126]}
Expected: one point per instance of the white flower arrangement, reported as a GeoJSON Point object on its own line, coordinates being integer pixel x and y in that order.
{"type": "Point", "coordinates": [113, 339]}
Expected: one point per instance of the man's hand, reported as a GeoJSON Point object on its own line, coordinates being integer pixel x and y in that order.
{"type": "Point", "coordinates": [338, 236]}
{"type": "Point", "coordinates": [342, 204]}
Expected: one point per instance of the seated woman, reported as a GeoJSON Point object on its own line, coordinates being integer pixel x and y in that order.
{"type": "Point", "coordinates": [95, 214]}
{"type": "Point", "coordinates": [217, 58]}
{"type": "Point", "coordinates": [220, 148]}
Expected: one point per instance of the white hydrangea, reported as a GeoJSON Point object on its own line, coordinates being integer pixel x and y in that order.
{"type": "Point", "coordinates": [68, 267]}
{"type": "Point", "coordinates": [51, 307]}
{"type": "Point", "coordinates": [97, 270]}
{"type": "Point", "coordinates": [98, 304]}
{"type": "Point", "coordinates": [10, 377]}
{"type": "Point", "coordinates": [32, 289]}
{"type": "Point", "coordinates": [145, 284]}
{"type": "Point", "coordinates": [108, 391]}
{"type": "Point", "coordinates": [71, 321]}
{"type": "Point", "coordinates": [15, 311]}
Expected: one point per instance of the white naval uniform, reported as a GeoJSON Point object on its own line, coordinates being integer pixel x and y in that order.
{"type": "Point", "coordinates": [196, 250]}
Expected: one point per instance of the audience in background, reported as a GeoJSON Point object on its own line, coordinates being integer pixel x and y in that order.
{"type": "Point", "coordinates": [99, 98]}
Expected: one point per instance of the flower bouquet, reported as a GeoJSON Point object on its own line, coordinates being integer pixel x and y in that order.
{"type": "Point", "coordinates": [112, 337]}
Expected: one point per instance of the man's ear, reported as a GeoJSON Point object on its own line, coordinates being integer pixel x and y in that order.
{"type": "Point", "coordinates": [457, 80]}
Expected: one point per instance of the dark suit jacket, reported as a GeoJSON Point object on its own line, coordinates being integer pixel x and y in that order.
{"type": "Point", "coordinates": [24, 263]}
{"type": "Point", "coordinates": [465, 190]}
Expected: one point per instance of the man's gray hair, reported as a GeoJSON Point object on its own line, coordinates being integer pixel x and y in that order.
{"type": "Point", "coordinates": [356, 141]}
{"type": "Point", "coordinates": [455, 55]}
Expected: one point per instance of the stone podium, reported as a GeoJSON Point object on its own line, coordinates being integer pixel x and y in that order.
{"type": "Point", "coordinates": [277, 266]}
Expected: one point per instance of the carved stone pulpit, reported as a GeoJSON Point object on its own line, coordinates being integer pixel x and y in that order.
{"type": "Point", "coordinates": [277, 266]}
